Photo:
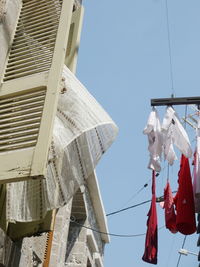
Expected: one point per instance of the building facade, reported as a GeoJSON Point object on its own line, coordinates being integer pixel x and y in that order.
{"type": "Point", "coordinates": [52, 135]}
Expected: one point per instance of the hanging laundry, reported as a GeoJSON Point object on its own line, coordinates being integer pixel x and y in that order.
{"type": "Point", "coordinates": [174, 133]}
{"type": "Point", "coordinates": [169, 153]}
{"type": "Point", "coordinates": [170, 216]}
{"type": "Point", "coordinates": [151, 242]}
{"type": "Point", "coordinates": [198, 137]}
{"type": "Point", "coordinates": [196, 171]}
{"type": "Point", "coordinates": [184, 200]}
{"type": "Point", "coordinates": [196, 182]}
{"type": "Point", "coordinates": [153, 131]}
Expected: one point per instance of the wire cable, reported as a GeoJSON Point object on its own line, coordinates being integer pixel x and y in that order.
{"type": "Point", "coordinates": [73, 220]}
{"type": "Point", "coordinates": [183, 244]}
{"type": "Point", "coordinates": [179, 258]}
{"type": "Point", "coordinates": [139, 191]}
{"type": "Point", "coordinates": [167, 171]}
{"type": "Point", "coordinates": [130, 207]}
{"type": "Point", "coordinates": [135, 194]}
{"type": "Point", "coordinates": [158, 199]}
{"type": "Point", "coordinates": [169, 47]}
{"type": "Point", "coordinates": [185, 124]}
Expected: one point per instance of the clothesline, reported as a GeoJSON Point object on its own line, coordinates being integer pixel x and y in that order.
{"type": "Point", "coordinates": [73, 220]}
{"type": "Point", "coordinates": [179, 210]}
{"type": "Point", "coordinates": [163, 137]}
{"type": "Point", "coordinates": [158, 199]}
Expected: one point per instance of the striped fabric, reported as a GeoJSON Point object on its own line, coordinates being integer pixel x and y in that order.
{"type": "Point", "coordinates": [83, 132]}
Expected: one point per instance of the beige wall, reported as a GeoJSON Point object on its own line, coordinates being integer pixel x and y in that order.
{"type": "Point", "coordinates": [7, 27]}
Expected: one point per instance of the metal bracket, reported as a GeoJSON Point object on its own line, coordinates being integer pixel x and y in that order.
{"type": "Point", "coordinates": [176, 101]}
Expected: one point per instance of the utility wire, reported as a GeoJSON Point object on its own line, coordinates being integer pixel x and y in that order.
{"type": "Point", "coordinates": [158, 199]}
{"type": "Point", "coordinates": [169, 47]}
{"type": "Point", "coordinates": [135, 194]}
{"type": "Point", "coordinates": [168, 171]}
{"type": "Point", "coordinates": [73, 220]}
{"type": "Point", "coordinates": [179, 258]}
{"type": "Point", "coordinates": [185, 125]}
{"type": "Point", "coordinates": [130, 207]}
{"type": "Point", "coordinates": [139, 191]}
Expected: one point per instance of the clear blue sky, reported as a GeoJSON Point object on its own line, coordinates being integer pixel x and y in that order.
{"type": "Point", "coordinates": [124, 62]}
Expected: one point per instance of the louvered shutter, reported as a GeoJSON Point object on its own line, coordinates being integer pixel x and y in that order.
{"type": "Point", "coordinates": [30, 87]}
{"type": "Point", "coordinates": [74, 39]}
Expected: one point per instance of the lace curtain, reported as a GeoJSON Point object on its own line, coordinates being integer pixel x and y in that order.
{"type": "Point", "coordinates": [83, 132]}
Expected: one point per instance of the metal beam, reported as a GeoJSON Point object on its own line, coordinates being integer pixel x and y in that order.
{"type": "Point", "coordinates": [175, 101]}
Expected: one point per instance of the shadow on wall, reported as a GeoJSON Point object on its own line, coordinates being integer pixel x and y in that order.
{"type": "Point", "coordinates": [79, 212]}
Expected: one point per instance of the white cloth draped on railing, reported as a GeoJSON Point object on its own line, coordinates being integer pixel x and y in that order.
{"type": "Point", "coordinates": [83, 131]}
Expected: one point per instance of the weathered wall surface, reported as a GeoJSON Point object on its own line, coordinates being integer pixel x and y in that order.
{"type": "Point", "coordinates": [79, 249]}
{"type": "Point", "coordinates": [32, 250]}
{"type": "Point", "coordinates": [77, 254]}
{"type": "Point", "coordinates": [60, 236]}
{"type": "Point", "coordinates": [70, 246]}
{"type": "Point", "coordinates": [92, 221]}
{"type": "Point", "coordinates": [5, 248]}
{"type": "Point", "coordinates": [28, 251]}
{"type": "Point", "coordinates": [8, 18]}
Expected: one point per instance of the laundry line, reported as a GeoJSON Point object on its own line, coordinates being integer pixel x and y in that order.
{"type": "Point", "coordinates": [158, 199]}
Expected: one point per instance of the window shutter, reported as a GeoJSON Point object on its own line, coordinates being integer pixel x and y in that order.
{"type": "Point", "coordinates": [74, 39]}
{"type": "Point", "coordinates": [30, 87]}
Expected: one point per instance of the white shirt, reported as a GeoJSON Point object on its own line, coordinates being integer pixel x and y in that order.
{"type": "Point", "coordinates": [153, 131]}
{"type": "Point", "coordinates": [174, 133]}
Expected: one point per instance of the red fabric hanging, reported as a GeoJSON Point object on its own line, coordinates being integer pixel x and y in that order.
{"type": "Point", "coordinates": [184, 200]}
{"type": "Point", "coordinates": [151, 242]}
{"type": "Point", "coordinates": [170, 216]}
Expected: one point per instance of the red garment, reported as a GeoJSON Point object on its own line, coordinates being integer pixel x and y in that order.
{"type": "Point", "coordinates": [170, 216]}
{"type": "Point", "coordinates": [184, 200]}
{"type": "Point", "coordinates": [151, 242]}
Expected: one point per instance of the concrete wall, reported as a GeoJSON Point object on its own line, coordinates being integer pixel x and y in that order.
{"type": "Point", "coordinates": [83, 243]}
{"type": "Point", "coordinates": [28, 251]}
{"type": "Point", "coordinates": [77, 253]}
{"type": "Point", "coordinates": [60, 236]}
{"type": "Point", "coordinates": [71, 245]}
{"type": "Point", "coordinates": [92, 221]}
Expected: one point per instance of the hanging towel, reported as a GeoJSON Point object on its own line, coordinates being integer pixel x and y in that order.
{"type": "Point", "coordinates": [174, 133]}
{"type": "Point", "coordinates": [170, 216]}
{"type": "Point", "coordinates": [151, 242]}
{"type": "Point", "coordinates": [184, 200]}
{"type": "Point", "coordinates": [153, 131]}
